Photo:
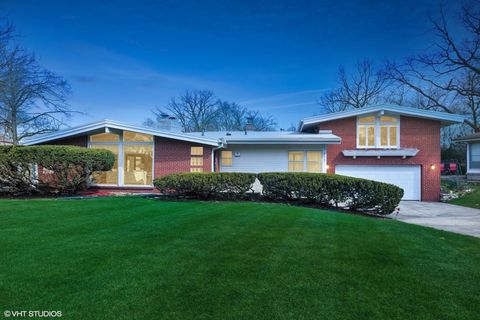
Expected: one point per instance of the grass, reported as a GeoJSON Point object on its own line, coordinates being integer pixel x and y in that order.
{"type": "Point", "coordinates": [134, 258]}
{"type": "Point", "coordinates": [471, 200]}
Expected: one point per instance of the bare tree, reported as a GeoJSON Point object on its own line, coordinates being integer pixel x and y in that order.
{"type": "Point", "coordinates": [367, 85]}
{"type": "Point", "coordinates": [261, 122]}
{"type": "Point", "coordinates": [448, 79]}
{"type": "Point", "coordinates": [32, 98]}
{"type": "Point", "coordinates": [196, 110]}
{"type": "Point", "coordinates": [202, 110]}
{"type": "Point", "coordinates": [231, 116]}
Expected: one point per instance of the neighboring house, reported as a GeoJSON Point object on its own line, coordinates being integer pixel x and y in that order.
{"type": "Point", "coordinates": [394, 144]}
{"type": "Point", "coordinates": [473, 155]}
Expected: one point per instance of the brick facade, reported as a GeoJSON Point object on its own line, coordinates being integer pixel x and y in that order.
{"type": "Point", "coordinates": [421, 134]}
{"type": "Point", "coordinates": [81, 141]}
{"type": "Point", "coordinates": [173, 156]}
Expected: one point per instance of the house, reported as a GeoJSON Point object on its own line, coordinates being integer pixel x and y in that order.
{"type": "Point", "coordinates": [387, 143]}
{"type": "Point", "coordinates": [473, 155]}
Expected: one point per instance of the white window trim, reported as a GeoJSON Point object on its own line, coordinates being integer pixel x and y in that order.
{"type": "Point", "coordinates": [469, 152]}
{"type": "Point", "coordinates": [378, 124]}
{"type": "Point", "coordinates": [120, 144]}
{"type": "Point", "coordinates": [323, 151]}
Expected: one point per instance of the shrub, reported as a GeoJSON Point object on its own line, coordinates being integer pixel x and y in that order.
{"type": "Point", "coordinates": [331, 190]}
{"type": "Point", "coordinates": [61, 169]}
{"type": "Point", "coordinates": [206, 185]}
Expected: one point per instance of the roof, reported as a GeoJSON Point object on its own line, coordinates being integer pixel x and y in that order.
{"type": "Point", "coordinates": [471, 137]}
{"type": "Point", "coordinates": [271, 137]}
{"type": "Point", "coordinates": [445, 118]}
{"type": "Point", "coordinates": [83, 129]}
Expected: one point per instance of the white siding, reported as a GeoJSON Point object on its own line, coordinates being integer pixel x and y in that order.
{"type": "Point", "coordinates": [265, 158]}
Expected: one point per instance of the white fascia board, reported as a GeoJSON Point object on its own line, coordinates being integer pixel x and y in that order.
{"type": "Point", "coordinates": [121, 126]}
{"type": "Point", "coordinates": [332, 139]}
{"type": "Point", "coordinates": [411, 152]}
{"type": "Point", "coordinates": [447, 118]}
{"type": "Point", "coordinates": [300, 142]}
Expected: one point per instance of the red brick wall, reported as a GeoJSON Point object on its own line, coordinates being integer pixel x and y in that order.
{"type": "Point", "coordinates": [173, 156]}
{"type": "Point", "coordinates": [421, 134]}
{"type": "Point", "coordinates": [81, 141]}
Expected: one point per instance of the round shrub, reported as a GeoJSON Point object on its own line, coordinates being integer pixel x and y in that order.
{"type": "Point", "coordinates": [210, 185]}
{"type": "Point", "coordinates": [50, 169]}
{"type": "Point", "coordinates": [331, 190]}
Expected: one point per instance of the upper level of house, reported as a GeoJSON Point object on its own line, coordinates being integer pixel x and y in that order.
{"type": "Point", "coordinates": [383, 130]}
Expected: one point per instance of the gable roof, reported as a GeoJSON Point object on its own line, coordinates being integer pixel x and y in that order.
{"type": "Point", "coordinates": [445, 118]}
{"type": "Point", "coordinates": [272, 137]}
{"type": "Point", "coordinates": [103, 124]}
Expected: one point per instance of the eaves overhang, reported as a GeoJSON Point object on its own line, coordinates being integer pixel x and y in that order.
{"type": "Point", "coordinates": [105, 125]}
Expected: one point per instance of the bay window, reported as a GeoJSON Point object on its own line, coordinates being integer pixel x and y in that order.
{"type": "Point", "coordinates": [378, 132]}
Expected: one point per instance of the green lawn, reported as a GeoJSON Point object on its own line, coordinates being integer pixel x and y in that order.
{"type": "Point", "coordinates": [134, 258]}
{"type": "Point", "coordinates": [470, 200]}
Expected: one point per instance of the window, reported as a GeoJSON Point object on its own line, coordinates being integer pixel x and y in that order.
{"type": "Point", "coordinates": [226, 158]}
{"type": "Point", "coordinates": [196, 151]}
{"type": "Point", "coordinates": [137, 164]}
{"type": "Point", "coordinates": [133, 158]}
{"type": "Point", "coordinates": [129, 136]}
{"type": "Point", "coordinates": [377, 132]}
{"type": "Point", "coordinates": [301, 161]}
{"type": "Point", "coordinates": [296, 161]}
{"type": "Point", "coordinates": [314, 161]}
{"type": "Point", "coordinates": [196, 159]}
{"type": "Point", "coordinates": [105, 137]}
{"type": "Point", "coordinates": [474, 154]}
{"type": "Point", "coordinates": [107, 177]}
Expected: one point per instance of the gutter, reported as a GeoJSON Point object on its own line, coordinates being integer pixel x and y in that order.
{"type": "Point", "coordinates": [213, 153]}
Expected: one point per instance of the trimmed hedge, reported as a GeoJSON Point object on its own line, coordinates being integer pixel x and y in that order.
{"type": "Point", "coordinates": [224, 185]}
{"type": "Point", "coordinates": [331, 190]}
{"type": "Point", "coordinates": [309, 188]}
{"type": "Point", "coordinates": [61, 169]}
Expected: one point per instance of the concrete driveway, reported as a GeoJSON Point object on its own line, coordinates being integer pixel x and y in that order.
{"type": "Point", "coordinates": [440, 215]}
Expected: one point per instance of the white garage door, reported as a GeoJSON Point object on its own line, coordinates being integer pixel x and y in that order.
{"type": "Point", "coordinates": [406, 177]}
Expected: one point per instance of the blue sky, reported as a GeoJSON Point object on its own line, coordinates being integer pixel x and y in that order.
{"type": "Point", "coordinates": [126, 57]}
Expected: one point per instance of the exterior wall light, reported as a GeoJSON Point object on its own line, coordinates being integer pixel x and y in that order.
{"type": "Point", "coordinates": [432, 167]}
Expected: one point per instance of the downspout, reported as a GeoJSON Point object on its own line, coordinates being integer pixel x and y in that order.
{"type": "Point", "coordinates": [213, 153]}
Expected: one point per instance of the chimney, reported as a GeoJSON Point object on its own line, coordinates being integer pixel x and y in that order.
{"type": "Point", "coordinates": [168, 122]}
{"type": "Point", "coordinates": [249, 126]}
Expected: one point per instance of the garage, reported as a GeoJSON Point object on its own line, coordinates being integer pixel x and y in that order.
{"type": "Point", "coordinates": [406, 177]}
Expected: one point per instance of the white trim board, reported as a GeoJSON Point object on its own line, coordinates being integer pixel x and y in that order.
{"type": "Point", "coordinates": [445, 118]}
{"type": "Point", "coordinates": [106, 124]}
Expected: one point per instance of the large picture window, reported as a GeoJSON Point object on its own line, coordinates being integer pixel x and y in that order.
{"type": "Point", "coordinates": [133, 158]}
{"type": "Point", "coordinates": [305, 161]}
{"type": "Point", "coordinates": [378, 132]}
